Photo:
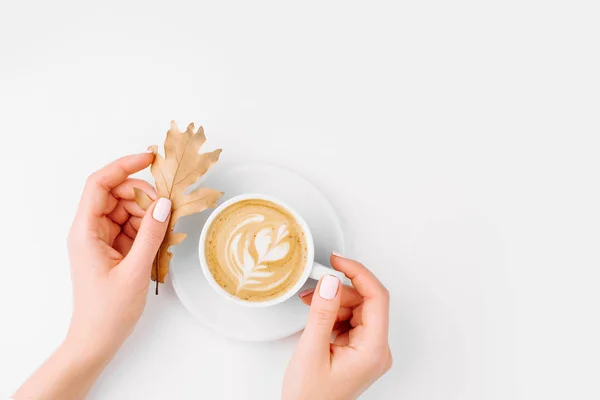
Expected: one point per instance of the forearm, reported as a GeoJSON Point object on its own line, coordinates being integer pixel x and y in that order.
{"type": "Point", "coordinates": [68, 374]}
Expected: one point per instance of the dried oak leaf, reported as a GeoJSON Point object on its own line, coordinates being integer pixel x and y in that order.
{"type": "Point", "coordinates": [173, 175]}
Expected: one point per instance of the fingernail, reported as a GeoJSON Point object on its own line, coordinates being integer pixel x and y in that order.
{"type": "Point", "coordinates": [162, 209]}
{"type": "Point", "coordinates": [337, 254]}
{"type": "Point", "coordinates": [306, 292]}
{"type": "Point", "coordinates": [329, 287]}
{"type": "Point", "coordinates": [148, 151]}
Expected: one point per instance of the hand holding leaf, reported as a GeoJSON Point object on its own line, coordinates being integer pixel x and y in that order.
{"type": "Point", "coordinates": [173, 174]}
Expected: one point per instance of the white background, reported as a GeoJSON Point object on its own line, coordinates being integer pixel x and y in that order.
{"type": "Point", "coordinates": [457, 140]}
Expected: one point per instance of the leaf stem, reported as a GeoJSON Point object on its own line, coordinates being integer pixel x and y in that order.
{"type": "Point", "coordinates": [157, 278]}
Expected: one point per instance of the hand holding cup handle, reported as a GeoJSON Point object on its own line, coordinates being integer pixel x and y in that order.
{"type": "Point", "coordinates": [358, 320]}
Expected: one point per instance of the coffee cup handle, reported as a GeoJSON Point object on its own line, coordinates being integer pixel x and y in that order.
{"type": "Point", "coordinates": [319, 271]}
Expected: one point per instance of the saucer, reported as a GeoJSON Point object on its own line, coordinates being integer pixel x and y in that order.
{"type": "Point", "coordinates": [219, 314]}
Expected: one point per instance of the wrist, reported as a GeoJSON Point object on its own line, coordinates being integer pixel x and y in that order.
{"type": "Point", "coordinates": [68, 374]}
{"type": "Point", "coordinates": [84, 354]}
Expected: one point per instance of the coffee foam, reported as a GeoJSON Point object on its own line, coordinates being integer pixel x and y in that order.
{"type": "Point", "coordinates": [255, 250]}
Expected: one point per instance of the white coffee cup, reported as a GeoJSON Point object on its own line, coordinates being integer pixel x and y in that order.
{"type": "Point", "coordinates": [312, 269]}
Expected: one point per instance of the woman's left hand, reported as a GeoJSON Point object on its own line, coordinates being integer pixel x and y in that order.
{"type": "Point", "coordinates": [112, 244]}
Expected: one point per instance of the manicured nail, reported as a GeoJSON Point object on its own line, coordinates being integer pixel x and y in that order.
{"type": "Point", "coordinates": [148, 151]}
{"type": "Point", "coordinates": [337, 254]}
{"type": "Point", "coordinates": [306, 292]}
{"type": "Point", "coordinates": [329, 287]}
{"type": "Point", "coordinates": [162, 209]}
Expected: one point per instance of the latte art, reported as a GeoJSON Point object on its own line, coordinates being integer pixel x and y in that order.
{"type": "Point", "coordinates": [255, 250]}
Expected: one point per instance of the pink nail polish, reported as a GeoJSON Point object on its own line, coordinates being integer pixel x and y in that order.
{"type": "Point", "coordinates": [329, 287]}
{"type": "Point", "coordinates": [306, 292]}
{"type": "Point", "coordinates": [162, 209]}
{"type": "Point", "coordinates": [337, 254]}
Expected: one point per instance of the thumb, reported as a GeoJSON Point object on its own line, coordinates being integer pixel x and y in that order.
{"type": "Point", "coordinates": [322, 316]}
{"type": "Point", "coordinates": [151, 233]}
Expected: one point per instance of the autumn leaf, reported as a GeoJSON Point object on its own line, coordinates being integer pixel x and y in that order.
{"type": "Point", "coordinates": [173, 175]}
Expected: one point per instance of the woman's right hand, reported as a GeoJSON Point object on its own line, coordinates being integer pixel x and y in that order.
{"type": "Point", "coordinates": [358, 318]}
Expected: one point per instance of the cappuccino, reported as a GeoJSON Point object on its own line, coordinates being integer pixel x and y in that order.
{"type": "Point", "coordinates": [255, 250]}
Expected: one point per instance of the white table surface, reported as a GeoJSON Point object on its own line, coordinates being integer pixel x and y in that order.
{"type": "Point", "coordinates": [458, 142]}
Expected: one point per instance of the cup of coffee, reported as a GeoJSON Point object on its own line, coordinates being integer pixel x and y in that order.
{"type": "Point", "coordinates": [257, 251]}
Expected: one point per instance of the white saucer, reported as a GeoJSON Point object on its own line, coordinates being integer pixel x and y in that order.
{"type": "Point", "coordinates": [228, 318]}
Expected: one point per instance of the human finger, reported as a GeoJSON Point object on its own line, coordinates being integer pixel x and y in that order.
{"type": "Point", "coordinates": [350, 296]}
{"type": "Point", "coordinates": [124, 210]}
{"type": "Point", "coordinates": [98, 186]}
{"type": "Point", "coordinates": [344, 313]}
{"type": "Point", "coordinates": [341, 327]}
{"type": "Point", "coordinates": [132, 226]}
{"type": "Point", "coordinates": [149, 237]}
{"type": "Point", "coordinates": [343, 339]}
{"type": "Point", "coordinates": [356, 318]}
{"type": "Point", "coordinates": [315, 340]}
{"type": "Point", "coordinates": [375, 308]}
{"type": "Point", "coordinates": [123, 243]}
{"type": "Point", "coordinates": [125, 189]}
